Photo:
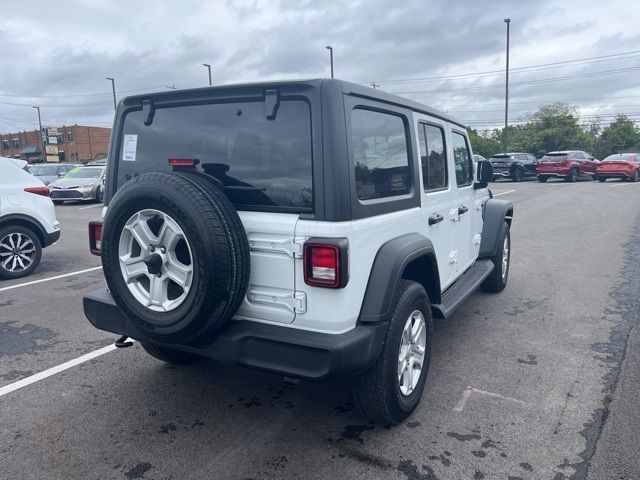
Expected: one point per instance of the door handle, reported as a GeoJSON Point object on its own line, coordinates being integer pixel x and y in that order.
{"type": "Point", "coordinates": [462, 209]}
{"type": "Point", "coordinates": [435, 218]}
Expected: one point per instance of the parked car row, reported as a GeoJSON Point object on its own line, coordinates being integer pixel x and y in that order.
{"type": "Point", "coordinates": [69, 181]}
{"type": "Point", "coordinates": [569, 165]}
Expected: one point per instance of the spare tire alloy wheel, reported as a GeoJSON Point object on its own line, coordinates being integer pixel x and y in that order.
{"type": "Point", "coordinates": [175, 257]}
{"type": "Point", "coordinates": [20, 252]}
{"type": "Point", "coordinates": [158, 268]}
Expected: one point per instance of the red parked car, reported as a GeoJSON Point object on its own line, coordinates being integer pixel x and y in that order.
{"type": "Point", "coordinates": [567, 164]}
{"type": "Point", "coordinates": [625, 166]}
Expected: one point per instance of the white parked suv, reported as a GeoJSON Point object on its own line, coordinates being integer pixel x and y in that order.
{"type": "Point", "coordinates": [309, 228]}
{"type": "Point", "coordinates": [27, 220]}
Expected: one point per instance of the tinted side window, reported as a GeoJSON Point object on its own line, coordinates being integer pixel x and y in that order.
{"type": "Point", "coordinates": [637, 158]}
{"type": "Point", "coordinates": [380, 154]}
{"type": "Point", "coordinates": [433, 157]}
{"type": "Point", "coordinates": [462, 159]}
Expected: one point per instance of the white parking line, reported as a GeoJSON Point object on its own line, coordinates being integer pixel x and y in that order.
{"type": "Point", "coordinates": [623, 184]}
{"type": "Point", "coordinates": [11, 287]}
{"type": "Point", "coordinates": [91, 206]}
{"type": "Point", "coordinates": [12, 387]}
{"type": "Point", "coordinates": [503, 193]}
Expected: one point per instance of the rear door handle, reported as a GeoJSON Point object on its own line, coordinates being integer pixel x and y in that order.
{"type": "Point", "coordinates": [462, 209]}
{"type": "Point", "coordinates": [435, 218]}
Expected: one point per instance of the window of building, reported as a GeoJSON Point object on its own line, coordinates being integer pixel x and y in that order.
{"type": "Point", "coordinates": [462, 159]}
{"type": "Point", "coordinates": [16, 142]}
{"type": "Point", "coordinates": [60, 139]}
{"type": "Point", "coordinates": [433, 157]}
{"type": "Point", "coordinates": [6, 144]}
{"type": "Point", "coordinates": [70, 136]}
{"type": "Point", "coordinates": [380, 154]}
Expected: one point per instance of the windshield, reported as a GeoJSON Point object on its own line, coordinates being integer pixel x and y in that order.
{"type": "Point", "coordinates": [44, 170]}
{"type": "Point", "coordinates": [84, 172]}
{"type": "Point", "coordinates": [260, 162]}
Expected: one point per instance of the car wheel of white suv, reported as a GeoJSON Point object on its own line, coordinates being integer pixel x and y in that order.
{"type": "Point", "coordinates": [391, 389]}
{"type": "Point", "coordinates": [20, 251]}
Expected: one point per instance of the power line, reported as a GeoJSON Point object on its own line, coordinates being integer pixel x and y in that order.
{"type": "Point", "coordinates": [475, 74]}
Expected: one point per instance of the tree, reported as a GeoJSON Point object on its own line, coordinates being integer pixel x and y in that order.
{"type": "Point", "coordinates": [484, 144]}
{"type": "Point", "coordinates": [620, 136]}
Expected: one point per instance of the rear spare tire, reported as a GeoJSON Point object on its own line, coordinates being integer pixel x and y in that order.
{"type": "Point", "coordinates": [175, 256]}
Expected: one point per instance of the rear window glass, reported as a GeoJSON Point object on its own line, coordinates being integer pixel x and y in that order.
{"type": "Point", "coordinates": [262, 163]}
{"type": "Point", "coordinates": [44, 170]}
{"type": "Point", "coordinates": [380, 154]}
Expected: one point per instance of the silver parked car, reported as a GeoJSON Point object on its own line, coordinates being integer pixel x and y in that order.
{"type": "Point", "coordinates": [50, 172]}
{"type": "Point", "coordinates": [81, 183]}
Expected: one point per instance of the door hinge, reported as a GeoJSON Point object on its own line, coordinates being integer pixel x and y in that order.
{"type": "Point", "coordinates": [293, 301]}
{"type": "Point", "coordinates": [454, 215]}
{"type": "Point", "coordinates": [477, 238]}
{"type": "Point", "coordinates": [291, 247]}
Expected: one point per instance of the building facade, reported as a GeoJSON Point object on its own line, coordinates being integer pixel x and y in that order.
{"type": "Point", "coordinates": [74, 143]}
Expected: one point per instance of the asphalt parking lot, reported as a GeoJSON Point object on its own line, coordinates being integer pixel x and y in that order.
{"type": "Point", "coordinates": [519, 387]}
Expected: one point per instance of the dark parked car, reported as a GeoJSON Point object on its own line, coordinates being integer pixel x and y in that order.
{"type": "Point", "coordinates": [50, 172]}
{"type": "Point", "coordinates": [567, 164]}
{"type": "Point", "coordinates": [513, 165]}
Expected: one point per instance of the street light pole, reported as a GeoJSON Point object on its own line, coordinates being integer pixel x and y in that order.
{"type": "Point", "coordinates": [42, 152]}
{"type": "Point", "coordinates": [506, 93]}
{"type": "Point", "coordinates": [113, 89]}
{"type": "Point", "coordinates": [331, 57]}
{"type": "Point", "coordinates": [208, 68]}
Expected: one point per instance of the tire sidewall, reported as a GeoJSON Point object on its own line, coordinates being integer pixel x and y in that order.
{"type": "Point", "coordinates": [7, 274]}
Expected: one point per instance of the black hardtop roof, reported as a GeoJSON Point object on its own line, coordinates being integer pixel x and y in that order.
{"type": "Point", "coordinates": [347, 88]}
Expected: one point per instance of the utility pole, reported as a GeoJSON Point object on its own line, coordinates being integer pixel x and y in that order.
{"type": "Point", "coordinates": [40, 132]}
{"type": "Point", "coordinates": [506, 93]}
{"type": "Point", "coordinates": [328, 47]}
{"type": "Point", "coordinates": [208, 68]}
{"type": "Point", "coordinates": [113, 89]}
{"type": "Point", "coordinates": [374, 85]}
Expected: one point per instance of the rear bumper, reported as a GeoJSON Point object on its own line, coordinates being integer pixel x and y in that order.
{"type": "Point", "coordinates": [274, 348]}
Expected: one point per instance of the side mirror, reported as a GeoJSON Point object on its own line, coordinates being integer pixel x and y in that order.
{"type": "Point", "coordinates": [484, 174]}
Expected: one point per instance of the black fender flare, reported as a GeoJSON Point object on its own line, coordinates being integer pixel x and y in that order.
{"type": "Point", "coordinates": [388, 268]}
{"type": "Point", "coordinates": [28, 222]}
{"type": "Point", "coordinates": [496, 212]}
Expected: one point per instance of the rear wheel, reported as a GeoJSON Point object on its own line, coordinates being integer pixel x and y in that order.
{"type": "Point", "coordinates": [391, 389]}
{"type": "Point", "coordinates": [517, 175]}
{"type": "Point", "coordinates": [573, 175]}
{"type": "Point", "coordinates": [636, 176]}
{"type": "Point", "coordinates": [20, 251]}
{"type": "Point", "coordinates": [602, 179]}
{"type": "Point", "coordinates": [497, 280]}
{"type": "Point", "coordinates": [542, 178]}
{"type": "Point", "coordinates": [169, 355]}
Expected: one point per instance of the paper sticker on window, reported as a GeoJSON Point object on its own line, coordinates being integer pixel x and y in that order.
{"type": "Point", "coordinates": [129, 147]}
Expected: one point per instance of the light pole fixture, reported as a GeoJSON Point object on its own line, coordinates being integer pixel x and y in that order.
{"type": "Point", "coordinates": [113, 89]}
{"type": "Point", "coordinates": [330, 48]}
{"type": "Point", "coordinates": [506, 93]}
{"type": "Point", "coordinates": [40, 133]}
{"type": "Point", "coordinates": [208, 68]}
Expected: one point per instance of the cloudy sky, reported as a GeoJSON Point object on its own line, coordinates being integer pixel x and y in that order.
{"type": "Point", "coordinates": [449, 55]}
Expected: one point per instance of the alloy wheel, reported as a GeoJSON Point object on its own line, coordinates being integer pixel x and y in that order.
{"type": "Point", "coordinates": [17, 252]}
{"type": "Point", "coordinates": [156, 260]}
{"type": "Point", "coordinates": [505, 257]}
{"type": "Point", "coordinates": [412, 352]}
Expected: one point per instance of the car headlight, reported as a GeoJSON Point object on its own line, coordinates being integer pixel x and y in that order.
{"type": "Point", "coordinates": [88, 185]}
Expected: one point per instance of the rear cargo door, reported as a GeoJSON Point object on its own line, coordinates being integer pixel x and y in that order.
{"type": "Point", "coordinates": [271, 295]}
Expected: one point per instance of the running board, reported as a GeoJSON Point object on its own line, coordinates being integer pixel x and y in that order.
{"type": "Point", "coordinates": [462, 288]}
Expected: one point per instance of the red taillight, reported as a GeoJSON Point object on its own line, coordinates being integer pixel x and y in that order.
{"type": "Point", "coordinates": [325, 263]}
{"type": "Point", "coordinates": [95, 237]}
{"type": "Point", "coordinates": [182, 162]}
{"type": "Point", "coordinates": [44, 191]}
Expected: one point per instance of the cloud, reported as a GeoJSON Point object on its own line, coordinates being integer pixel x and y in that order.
{"type": "Point", "coordinates": [60, 62]}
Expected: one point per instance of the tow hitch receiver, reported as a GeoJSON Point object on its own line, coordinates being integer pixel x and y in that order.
{"type": "Point", "coordinates": [122, 342]}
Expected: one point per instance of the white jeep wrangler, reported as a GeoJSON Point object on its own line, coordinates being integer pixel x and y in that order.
{"type": "Point", "coordinates": [310, 228]}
